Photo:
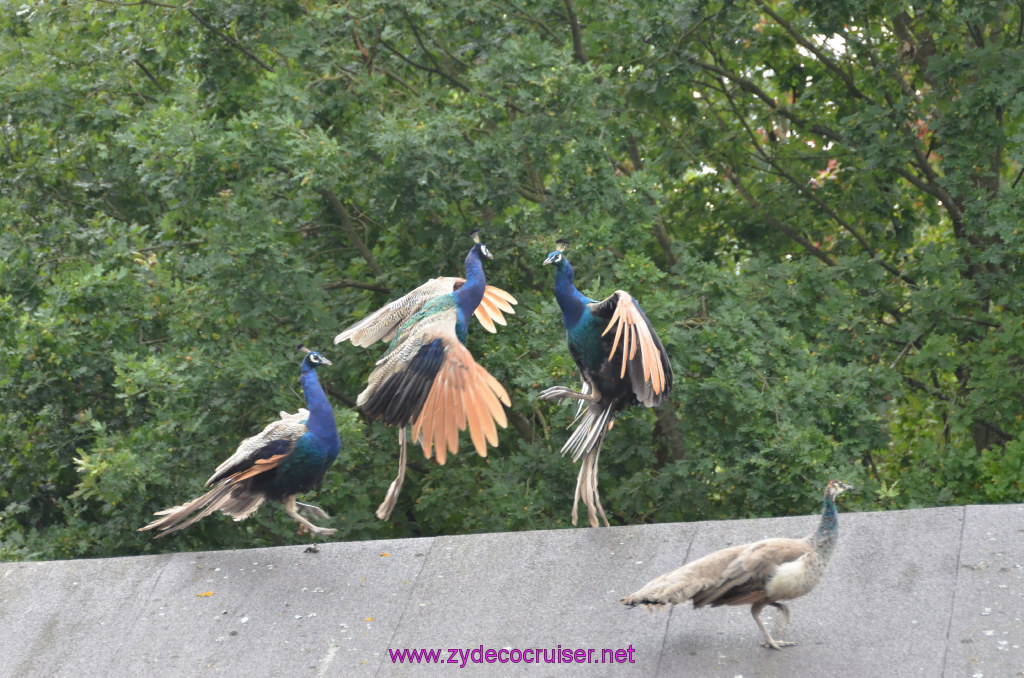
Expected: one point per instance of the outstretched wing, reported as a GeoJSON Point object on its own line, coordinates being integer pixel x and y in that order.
{"type": "Point", "coordinates": [431, 381]}
{"type": "Point", "coordinates": [289, 428]}
{"type": "Point", "coordinates": [642, 353]}
{"type": "Point", "coordinates": [385, 322]}
{"type": "Point", "coordinates": [494, 302]}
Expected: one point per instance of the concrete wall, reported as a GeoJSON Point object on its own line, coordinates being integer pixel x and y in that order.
{"type": "Point", "coordinates": [931, 593]}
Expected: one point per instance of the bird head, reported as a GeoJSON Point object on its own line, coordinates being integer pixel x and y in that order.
{"type": "Point", "coordinates": [556, 258]}
{"type": "Point", "coordinates": [312, 359]}
{"type": "Point", "coordinates": [479, 246]}
{"type": "Point", "coordinates": [836, 488]}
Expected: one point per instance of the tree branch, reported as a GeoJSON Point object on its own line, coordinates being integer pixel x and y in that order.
{"type": "Point", "coordinates": [780, 225]}
{"type": "Point", "coordinates": [577, 35]}
{"type": "Point", "coordinates": [228, 39]}
{"type": "Point", "coordinates": [430, 55]}
{"type": "Point", "coordinates": [813, 49]}
{"type": "Point", "coordinates": [350, 231]}
{"type": "Point", "coordinates": [751, 87]}
{"type": "Point", "coordinates": [348, 282]}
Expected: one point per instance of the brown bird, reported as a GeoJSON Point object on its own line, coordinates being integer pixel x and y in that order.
{"type": "Point", "coordinates": [758, 574]}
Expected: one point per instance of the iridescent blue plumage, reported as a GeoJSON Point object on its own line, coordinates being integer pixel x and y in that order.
{"type": "Point", "coordinates": [427, 378]}
{"type": "Point", "coordinates": [621, 361]}
{"type": "Point", "coordinates": [288, 457]}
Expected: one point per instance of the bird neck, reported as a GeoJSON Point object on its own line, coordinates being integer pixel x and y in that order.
{"type": "Point", "coordinates": [828, 529]}
{"type": "Point", "coordinates": [570, 300]}
{"type": "Point", "coordinates": [472, 291]}
{"type": "Point", "coordinates": [321, 418]}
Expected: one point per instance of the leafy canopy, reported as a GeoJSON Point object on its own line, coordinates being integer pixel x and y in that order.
{"type": "Point", "coordinates": [817, 203]}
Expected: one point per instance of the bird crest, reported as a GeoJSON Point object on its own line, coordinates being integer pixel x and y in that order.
{"type": "Point", "coordinates": [475, 235]}
{"type": "Point", "coordinates": [314, 357]}
{"type": "Point", "coordinates": [561, 245]}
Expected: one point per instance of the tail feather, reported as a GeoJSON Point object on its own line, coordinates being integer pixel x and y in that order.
{"type": "Point", "coordinates": [585, 442]}
{"type": "Point", "coordinates": [586, 489]}
{"type": "Point", "coordinates": [234, 500]}
{"type": "Point", "coordinates": [593, 424]}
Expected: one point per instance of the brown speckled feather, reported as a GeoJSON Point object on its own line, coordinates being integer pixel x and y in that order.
{"type": "Point", "coordinates": [743, 579]}
{"type": "Point", "coordinates": [382, 324]}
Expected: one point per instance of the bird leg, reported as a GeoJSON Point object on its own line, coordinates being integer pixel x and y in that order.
{"type": "Point", "coordinates": [770, 642]}
{"type": "Point", "coordinates": [784, 609]}
{"type": "Point", "coordinates": [560, 393]}
{"type": "Point", "coordinates": [314, 511]}
{"type": "Point", "coordinates": [291, 509]}
{"type": "Point", "coordinates": [388, 505]}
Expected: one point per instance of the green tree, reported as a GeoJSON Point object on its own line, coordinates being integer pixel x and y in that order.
{"type": "Point", "coordinates": [816, 202]}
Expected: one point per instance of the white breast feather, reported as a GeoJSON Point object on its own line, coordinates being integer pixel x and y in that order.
{"type": "Point", "coordinates": [789, 581]}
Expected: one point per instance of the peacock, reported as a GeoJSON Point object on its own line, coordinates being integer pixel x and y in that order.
{"type": "Point", "coordinates": [427, 378]}
{"type": "Point", "coordinates": [757, 574]}
{"type": "Point", "coordinates": [621, 361]}
{"type": "Point", "coordinates": [287, 458]}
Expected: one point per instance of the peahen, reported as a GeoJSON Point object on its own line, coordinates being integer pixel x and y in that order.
{"type": "Point", "coordinates": [427, 378]}
{"type": "Point", "coordinates": [288, 457]}
{"type": "Point", "coordinates": [757, 574]}
{"type": "Point", "coordinates": [621, 361]}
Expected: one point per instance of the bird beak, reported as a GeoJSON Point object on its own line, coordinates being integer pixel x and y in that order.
{"type": "Point", "coordinates": [486, 252]}
{"type": "Point", "coordinates": [548, 261]}
{"type": "Point", "coordinates": [326, 362]}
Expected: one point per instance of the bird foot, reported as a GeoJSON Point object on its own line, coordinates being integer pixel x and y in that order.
{"type": "Point", "coordinates": [314, 511]}
{"type": "Point", "coordinates": [560, 393]}
{"type": "Point", "coordinates": [322, 531]}
{"type": "Point", "coordinates": [312, 548]}
{"type": "Point", "coordinates": [778, 644]}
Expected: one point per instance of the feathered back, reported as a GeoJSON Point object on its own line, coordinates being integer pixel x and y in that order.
{"type": "Point", "coordinates": [288, 427]}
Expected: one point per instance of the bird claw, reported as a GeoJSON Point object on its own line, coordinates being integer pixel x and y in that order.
{"type": "Point", "coordinates": [556, 393]}
{"type": "Point", "coordinates": [778, 644]}
{"type": "Point", "coordinates": [314, 511]}
{"type": "Point", "coordinates": [312, 548]}
{"type": "Point", "coordinates": [324, 531]}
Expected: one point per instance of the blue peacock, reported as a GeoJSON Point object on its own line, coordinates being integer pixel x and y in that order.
{"type": "Point", "coordinates": [287, 458]}
{"type": "Point", "coordinates": [621, 361]}
{"type": "Point", "coordinates": [427, 378]}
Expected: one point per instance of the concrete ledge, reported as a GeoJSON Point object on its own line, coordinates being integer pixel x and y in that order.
{"type": "Point", "coordinates": [931, 592]}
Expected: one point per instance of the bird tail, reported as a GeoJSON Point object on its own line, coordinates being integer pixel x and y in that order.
{"type": "Point", "coordinates": [585, 442]}
{"type": "Point", "coordinates": [673, 588]}
{"type": "Point", "coordinates": [639, 598]}
{"type": "Point", "coordinates": [229, 498]}
{"type": "Point", "coordinates": [594, 422]}
{"type": "Point", "coordinates": [388, 505]}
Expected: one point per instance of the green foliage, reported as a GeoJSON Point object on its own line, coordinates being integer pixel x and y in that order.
{"type": "Point", "coordinates": [817, 204]}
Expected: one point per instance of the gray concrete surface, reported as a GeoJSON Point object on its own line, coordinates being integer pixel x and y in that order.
{"type": "Point", "coordinates": [931, 593]}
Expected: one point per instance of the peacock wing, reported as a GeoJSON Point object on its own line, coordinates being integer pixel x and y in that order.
{"type": "Point", "coordinates": [385, 322]}
{"type": "Point", "coordinates": [463, 395]}
{"type": "Point", "coordinates": [744, 579]}
{"type": "Point", "coordinates": [642, 353]}
{"type": "Point", "coordinates": [287, 429]}
{"type": "Point", "coordinates": [489, 311]}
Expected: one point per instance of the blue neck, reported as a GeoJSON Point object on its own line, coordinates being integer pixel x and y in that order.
{"type": "Point", "coordinates": [828, 528]}
{"type": "Point", "coordinates": [321, 418]}
{"type": "Point", "coordinates": [469, 295]}
{"type": "Point", "coordinates": [570, 300]}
